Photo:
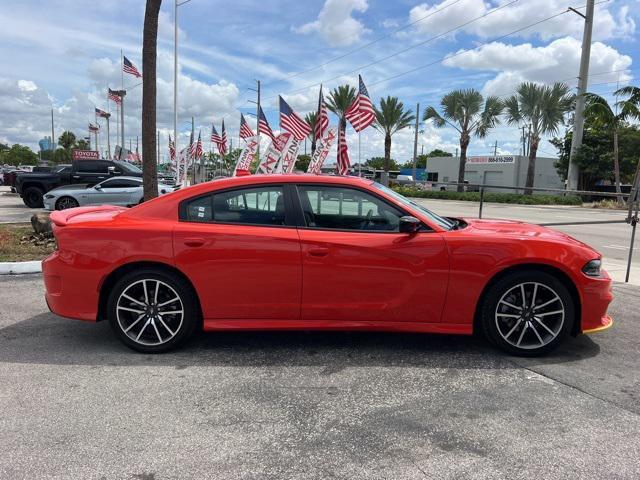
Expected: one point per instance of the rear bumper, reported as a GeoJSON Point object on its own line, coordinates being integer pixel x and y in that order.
{"type": "Point", "coordinates": [596, 296]}
{"type": "Point", "coordinates": [68, 290]}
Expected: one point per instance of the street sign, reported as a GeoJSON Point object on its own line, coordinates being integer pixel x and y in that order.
{"type": "Point", "coordinates": [85, 155]}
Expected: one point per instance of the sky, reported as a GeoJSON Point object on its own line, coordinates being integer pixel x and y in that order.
{"type": "Point", "coordinates": [63, 54]}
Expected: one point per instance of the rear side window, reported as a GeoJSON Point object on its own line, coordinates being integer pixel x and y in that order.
{"type": "Point", "coordinates": [247, 206]}
{"type": "Point", "coordinates": [91, 166]}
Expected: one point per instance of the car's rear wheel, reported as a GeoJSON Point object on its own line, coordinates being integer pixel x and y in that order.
{"type": "Point", "coordinates": [66, 202]}
{"type": "Point", "coordinates": [32, 197]}
{"type": "Point", "coordinates": [152, 311]}
{"type": "Point", "coordinates": [528, 313]}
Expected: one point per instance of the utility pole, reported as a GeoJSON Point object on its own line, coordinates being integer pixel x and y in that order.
{"type": "Point", "coordinates": [108, 137]}
{"type": "Point", "coordinates": [257, 90]}
{"type": "Point", "coordinates": [415, 143]}
{"type": "Point", "coordinates": [53, 137]}
{"type": "Point", "coordinates": [176, 4]}
{"type": "Point", "coordinates": [122, 94]}
{"type": "Point", "coordinates": [495, 149]}
{"type": "Point", "coordinates": [583, 79]}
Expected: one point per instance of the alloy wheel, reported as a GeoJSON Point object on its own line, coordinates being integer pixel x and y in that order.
{"type": "Point", "coordinates": [529, 315]}
{"type": "Point", "coordinates": [150, 312]}
{"type": "Point", "coordinates": [66, 202]}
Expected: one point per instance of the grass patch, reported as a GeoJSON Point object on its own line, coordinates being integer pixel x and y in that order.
{"type": "Point", "coordinates": [513, 198]}
{"type": "Point", "coordinates": [11, 248]}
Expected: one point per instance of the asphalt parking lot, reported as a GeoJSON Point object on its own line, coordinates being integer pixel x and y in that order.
{"type": "Point", "coordinates": [75, 403]}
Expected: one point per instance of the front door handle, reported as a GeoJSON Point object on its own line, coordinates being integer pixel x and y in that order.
{"type": "Point", "coordinates": [319, 252]}
{"type": "Point", "coordinates": [194, 242]}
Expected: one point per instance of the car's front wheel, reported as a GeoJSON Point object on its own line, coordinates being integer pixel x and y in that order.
{"type": "Point", "coordinates": [152, 311]}
{"type": "Point", "coordinates": [66, 202]}
{"type": "Point", "coordinates": [528, 313]}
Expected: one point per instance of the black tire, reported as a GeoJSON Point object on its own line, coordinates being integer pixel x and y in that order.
{"type": "Point", "coordinates": [66, 202]}
{"type": "Point", "coordinates": [162, 325]}
{"type": "Point", "coordinates": [32, 197]}
{"type": "Point", "coordinates": [544, 328]}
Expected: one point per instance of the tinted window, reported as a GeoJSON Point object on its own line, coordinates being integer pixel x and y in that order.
{"type": "Point", "coordinates": [91, 166]}
{"type": "Point", "coordinates": [120, 183]}
{"type": "Point", "coordinates": [126, 167]}
{"type": "Point", "coordinates": [347, 209]}
{"type": "Point", "coordinates": [255, 206]}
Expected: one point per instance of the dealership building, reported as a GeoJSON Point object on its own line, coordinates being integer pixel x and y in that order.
{"type": "Point", "coordinates": [503, 170]}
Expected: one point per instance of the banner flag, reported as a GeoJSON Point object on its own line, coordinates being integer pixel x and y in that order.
{"type": "Point", "coordinates": [246, 156]}
{"type": "Point", "coordinates": [289, 157]}
{"type": "Point", "coordinates": [322, 151]}
{"type": "Point", "coordinates": [270, 161]}
{"type": "Point", "coordinates": [183, 162]}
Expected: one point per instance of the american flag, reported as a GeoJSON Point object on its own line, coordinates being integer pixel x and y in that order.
{"type": "Point", "coordinates": [291, 122]}
{"type": "Point", "coordinates": [245, 129]}
{"type": "Point", "coordinates": [134, 157]}
{"type": "Point", "coordinates": [263, 125]}
{"type": "Point", "coordinates": [115, 96]}
{"type": "Point", "coordinates": [343, 155]}
{"type": "Point", "coordinates": [322, 118]}
{"type": "Point", "coordinates": [361, 113]}
{"type": "Point", "coordinates": [197, 150]}
{"type": "Point", "coordinates": [102, 113]}
{"type": "Point", "coordinates": [215, 136]}
{"type": "Point", "coordinates": [172, 149]}
{"type": "Point", "coordinates": [93, 128]}
{"type": "Point", "coordinates": [130, 68]}
{"type": "Point", "coordinates": [222, 147]}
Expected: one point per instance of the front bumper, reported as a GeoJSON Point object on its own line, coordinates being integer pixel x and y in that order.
{"type": "Point", "coordinates": [596, 296]}
{"type": "Point", "coordinates": [49, 203]}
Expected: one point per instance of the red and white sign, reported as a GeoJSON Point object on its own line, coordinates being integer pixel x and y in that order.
{"type": "Point", "coordinates": [280, 144]}
{"type": "Point", "coordinates": [322, 150]}
{"type": "Point", "coordinates": [246, 157]}
{"type": "Point", "coordinates": [85, 155]}
{"type": "Point", "coordinates": [289, 158]}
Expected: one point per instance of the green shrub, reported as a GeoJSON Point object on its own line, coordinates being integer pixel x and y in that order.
{"type": "Point", "coordinates": [491, 197]}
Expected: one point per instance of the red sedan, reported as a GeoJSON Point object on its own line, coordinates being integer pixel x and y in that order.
{"type": "Point", "coordinates": [323, 253]}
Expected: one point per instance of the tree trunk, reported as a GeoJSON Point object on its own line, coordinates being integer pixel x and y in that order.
{"type": "Point", "coordinates": [313, 146]}
{"type": "Point", "coordinates": [387, 152]}
{"type": "Point", "coordinates": [149, 49]}
{"type": "Point", "coordinates": [464, 144]}
{"type": "Point", "coordinates": [616, 166]}
{"type": "Point", "coordinates": [531, 169]}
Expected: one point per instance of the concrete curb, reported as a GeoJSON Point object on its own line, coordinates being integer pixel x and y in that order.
{"type": "Point", "coordinates": [17, 268]}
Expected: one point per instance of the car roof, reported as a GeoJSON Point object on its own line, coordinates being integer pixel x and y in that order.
{"type": "Point", "coordinates": [123, 177]}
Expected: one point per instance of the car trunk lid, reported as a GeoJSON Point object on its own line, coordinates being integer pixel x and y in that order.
{"type": "Point", "coordinates": [85, 214]}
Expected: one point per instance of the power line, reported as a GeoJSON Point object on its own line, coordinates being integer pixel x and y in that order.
{"type": "Point", "coordinates": [404, 50]}
{"type": "Point", "coordinates": [362, 47]}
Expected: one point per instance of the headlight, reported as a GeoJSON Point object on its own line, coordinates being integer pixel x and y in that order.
{"type": "Point", "coordinates": [48, 195]}
{"type": "Point", "coordinates": [592, 268]}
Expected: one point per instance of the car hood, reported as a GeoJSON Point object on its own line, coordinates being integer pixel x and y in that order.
{"type": "Point", "coordinates": [522, 230]}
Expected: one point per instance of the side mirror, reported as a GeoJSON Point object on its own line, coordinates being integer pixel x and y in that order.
{"type": "Point", "coordinates": [98, 187]}
{"type": "Point", "coordinates": [111, 170]}
{"type": "Point", "coordinates": [409, 224]}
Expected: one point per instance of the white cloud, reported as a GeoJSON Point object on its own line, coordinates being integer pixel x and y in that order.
{"type": "Point", "coordinates": [335, 23]}
{"type": "Point", "coordinates": [606, 24]}
{"type": "Point", "coordinates": [557, 61]}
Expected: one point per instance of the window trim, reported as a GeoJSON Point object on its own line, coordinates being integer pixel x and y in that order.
{"type": "Point", "coordinates": [288, 206]}
{"type": "Point", "coordinates": [424, 228]}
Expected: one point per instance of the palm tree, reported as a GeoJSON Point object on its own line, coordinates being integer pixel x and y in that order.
{"type": "Point", "coordinates": [149, 53]}
{"type": "Point", "coordinates": [311, 118]}
{"type": "Point", "coordinates": [390, 118]}
{"type": "Point", "coordinates": [67, 140]}
{"type": "Point", "coordinates": [598, 111]}
{"type": "Point", "coordinates": [470, 114]}
{"type": "Point", "coordinates": [338, 101]}
{"type": "Point", "coordinates": [542, 107]}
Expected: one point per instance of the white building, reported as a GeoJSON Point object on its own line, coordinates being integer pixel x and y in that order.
{"type": "Point", "coordinates": [502, 170]}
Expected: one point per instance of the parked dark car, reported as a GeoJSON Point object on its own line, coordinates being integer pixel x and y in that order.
{"type": "Point", "coordinates": [33, 186]}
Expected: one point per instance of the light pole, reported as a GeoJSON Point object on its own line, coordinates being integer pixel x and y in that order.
{"type": "Point", "coordinates": [578, 118]}
{"type": "Point", "coordinates": [176, 4]}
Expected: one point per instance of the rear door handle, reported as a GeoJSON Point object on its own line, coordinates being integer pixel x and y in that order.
{"type": "Point", "coordinates": [319, 252]}
{"type": "Point", "coordinates": [194, 242]}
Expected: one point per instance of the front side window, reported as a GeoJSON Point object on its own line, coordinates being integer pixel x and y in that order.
{"type": "Point", "coordinates": [252, 206]}
{"type": "Point", "coordinates": [339, 208]}
{"type": "Point", "coordinates": [121, 183]}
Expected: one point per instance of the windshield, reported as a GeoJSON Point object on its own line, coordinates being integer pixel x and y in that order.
{"type": "Point", "coordinates": [128, 167]}
{"type": "Point", "coordinates": [61, 168]}
{"type": "Point", "coordinates": [441, 221]}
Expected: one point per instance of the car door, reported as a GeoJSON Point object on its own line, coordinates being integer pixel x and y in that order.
{"type": "Point", "coordinates": [242, 253]}
{"type": "Point", "coordinates": [358, 267]}
{"type": "Point", "coordinates": [116, 191]}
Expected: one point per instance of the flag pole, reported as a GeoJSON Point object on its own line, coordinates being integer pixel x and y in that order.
{"type": "Point", "coordinates": [359, 156]}
{"type": "Point", "coordinates": [96, 117]}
